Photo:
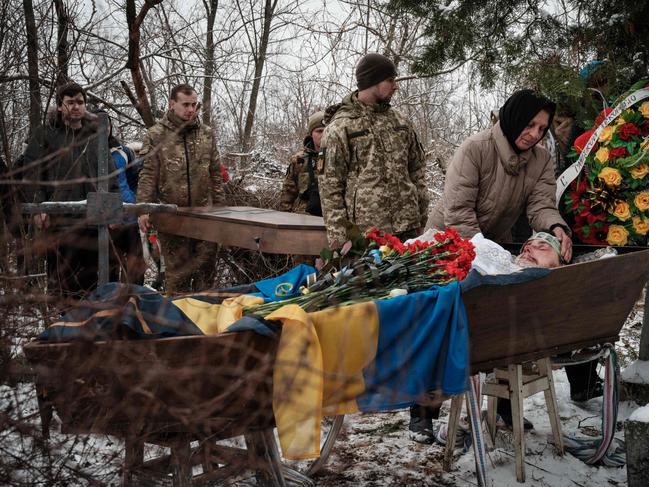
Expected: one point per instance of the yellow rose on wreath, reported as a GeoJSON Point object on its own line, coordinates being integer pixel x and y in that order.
{"type": "Point", "coordinates": [641, 200]}
{"type": "Point", "coordinates": [639, 171]}
{"type": "Point", "coordinates": [640, 225]}
{"type": "Point", "coordinates": [617, 235]}
{"type": "Point", "coordinates": [619, 121]}
{"type": "Point", "coordinates": [621, 210]}
{"type": "Point", "coordinates": [644, 109]}
{"type": "Point", "coordinates": [602, 155]}
{"type": "Point", "coordinates": [606, 134]}
{"type": "Point", "coordinates": [610, 176]}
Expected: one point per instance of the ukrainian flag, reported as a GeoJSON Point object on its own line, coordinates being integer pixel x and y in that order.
{"type": "Point", "coordinates": [372, 356]}
{"type": "Point", "coordinates": [369, 357]}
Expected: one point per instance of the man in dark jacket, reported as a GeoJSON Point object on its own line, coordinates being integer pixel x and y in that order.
{"type": "Point", "coordinates": [61, 164]}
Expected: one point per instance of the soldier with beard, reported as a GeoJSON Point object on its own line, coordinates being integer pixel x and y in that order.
{"type": "Point", "coordinates": [371, 167]}
{"type": "Point", "coordinates": [181, 166]}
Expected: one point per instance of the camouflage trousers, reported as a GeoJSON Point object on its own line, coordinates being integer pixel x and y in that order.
{"type": "Point", "coordinates": [190, 264]}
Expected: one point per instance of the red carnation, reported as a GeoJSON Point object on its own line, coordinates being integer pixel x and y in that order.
{"type": "Point", "coordinates": [592, 218]}
{"type": "Point", "coordinates": [602, 115]}
{"type": "Point", "coordinates": [645, 128]}
{"type": "Point", "coordinates": [574, 200]}
{"type": "Point", "coordinates": [618, 152]}
{"type": "Point", "coordinates": [627, 131]}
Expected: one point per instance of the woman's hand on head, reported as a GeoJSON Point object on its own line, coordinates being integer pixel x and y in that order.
{"type": "Point", "coordinates": [566, 243]}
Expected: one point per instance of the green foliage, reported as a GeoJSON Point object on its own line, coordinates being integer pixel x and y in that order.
{"type": "Point", "coordinates": [518, 38]}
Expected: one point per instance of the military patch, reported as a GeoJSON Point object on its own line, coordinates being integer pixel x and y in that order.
{"type": "Point", "coordinates": [360, 133]}
{"type": "Point", "coordinates": [320, 163]}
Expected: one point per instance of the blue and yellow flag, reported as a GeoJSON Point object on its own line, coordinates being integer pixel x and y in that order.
{"type": "Point", "coordinates": [372, 356]}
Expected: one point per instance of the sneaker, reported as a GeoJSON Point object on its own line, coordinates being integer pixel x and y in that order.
{"type": "Point", "coordinates": [586, 394]}
{"type": "Point", "coordinates": [421, 430]}
{"type": "Point", "coordinates": [461, 435]}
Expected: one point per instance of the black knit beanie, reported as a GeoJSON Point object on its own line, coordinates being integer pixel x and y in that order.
{"type": "Point", "coordinates": [519, 110]}
{"type": "Point", "coordinates": [372, 69]}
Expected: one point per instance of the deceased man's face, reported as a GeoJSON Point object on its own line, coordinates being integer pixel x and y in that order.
{"type": "Point", "coordinates": [538, 253]}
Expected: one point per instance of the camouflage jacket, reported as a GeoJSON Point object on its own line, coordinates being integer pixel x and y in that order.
{"type": "Point", "coordinates": [181, 164]}
{"type": "Point", "coordinates": [371, 171]}
{"type": "Point", "coordinates": [300, 187]}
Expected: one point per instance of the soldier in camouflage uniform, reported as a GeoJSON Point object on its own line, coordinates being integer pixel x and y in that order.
{"type": "Point", "coordinates": [300, 188]}
{"type": "Point", "coordinates": [371, 167]}
{"type": "Point", "coordinates": [181, 166]}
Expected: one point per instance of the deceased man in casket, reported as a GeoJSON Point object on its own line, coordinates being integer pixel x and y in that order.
{"type": "Point", "coordinates": [540, 250]}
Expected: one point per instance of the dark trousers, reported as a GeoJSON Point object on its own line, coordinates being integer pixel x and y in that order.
{"type": "Point", "coordinates": [72, 261]}
{"type": "Point", "coordinates": [129, 254]}
{"type": "Point", "coordinates": [424, 412]}
{"type": "Point", "coordinates": [190, 263]}
{"type": "Point", "coordinates": [582, 377]}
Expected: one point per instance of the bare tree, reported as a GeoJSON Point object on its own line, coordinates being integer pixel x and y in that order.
{"type": "Point", "coordinates": [62, 45]}
{"type": "Point", "coordinates": [133, 63]}
{"type": "Point", "coordinates": [259, 49]}
{"type": "Point", "coordinates": [35, 108]}
{"type": "Point", "coordinates": [210, 8]}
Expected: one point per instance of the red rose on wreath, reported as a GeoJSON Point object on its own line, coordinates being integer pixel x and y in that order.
{"type": "Point", "coordinates": [627, 131]}
{"type": "Point", "coordinates": [618, 152]}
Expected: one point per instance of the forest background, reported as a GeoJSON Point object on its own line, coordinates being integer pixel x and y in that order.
{"type": "Point", "coordinates": [261, 67]}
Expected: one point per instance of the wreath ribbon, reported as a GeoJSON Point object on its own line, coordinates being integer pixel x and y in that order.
{"type": "Point", "coordinates": [571, 173]}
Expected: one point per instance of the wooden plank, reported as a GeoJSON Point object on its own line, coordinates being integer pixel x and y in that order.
{"type": "Point", "coordinates": [535, 386]}
{"type": "Point", "coordinates": [451, 431]}
{"type": "Point", "coordinates": [252, 216]}
{"type": "Point", "coordinates": [516, 397]}
{"type": "Point", "coordinates": [545, 368]}
{"type": "Point", "coordinates": [250, 228]}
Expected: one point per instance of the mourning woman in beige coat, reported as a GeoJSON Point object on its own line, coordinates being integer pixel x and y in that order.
{"type": "Point", "coordinates": [500, 172]}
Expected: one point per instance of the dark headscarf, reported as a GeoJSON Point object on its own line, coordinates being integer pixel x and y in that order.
{"type": "Point", "coordinates": [519, 110]}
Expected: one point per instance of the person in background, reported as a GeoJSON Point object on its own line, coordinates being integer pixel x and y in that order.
{"type": "Point", "coordinates": [300, 188]}
{"type": "Point", "coordinates": [61, 164]}
{"type": "Point", "coordinates": [371, 169]}
{"type": "Point", "coordinates": [181, 167]}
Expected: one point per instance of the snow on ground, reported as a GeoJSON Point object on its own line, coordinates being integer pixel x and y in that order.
{"type": "Point", "coordinates": [637, 372]}
{"type": "Point", "coordinates": [641, 415]}
{"type": "Point", "coordinates": [376, 450]}
{"type": "Point", "coordinates": [373, 449]}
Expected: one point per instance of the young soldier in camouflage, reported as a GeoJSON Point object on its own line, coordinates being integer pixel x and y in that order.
{"type": "Point", "coordinates": [371, 167]}
{"type": "Point", "coordinates": [181, 166]}
{"type": "Point", "coordinates": [300, 188]}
